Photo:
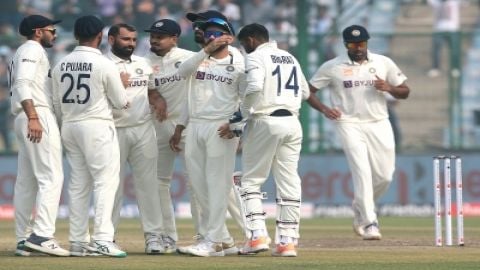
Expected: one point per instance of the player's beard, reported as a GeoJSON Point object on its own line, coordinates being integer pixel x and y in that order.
{"type": "Point", "coordinates": [358, 56]}
{"type": "Point", "coordinates": [47, 43]}
{"type": "Point", "coordinates": [198, 37]}
{"type": "Point", "coordinates": [122, 52]}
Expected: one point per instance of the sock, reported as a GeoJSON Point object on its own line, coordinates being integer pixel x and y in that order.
{"type": "Point", "coordinates": [258, 233]}
{"type": "Point", "coordinates": [285, 239]}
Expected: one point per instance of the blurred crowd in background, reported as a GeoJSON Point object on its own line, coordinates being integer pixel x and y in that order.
{"type": "Point", "coordinates": [279, 16]}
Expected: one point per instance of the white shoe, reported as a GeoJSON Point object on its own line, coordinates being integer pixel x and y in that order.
{"type": "Point", "coordinates": [169, 245]}
{"type": "Point", "coordinates": [46, 245]}
{"type": "Point", "coordinates": [357, 226]}
{"type": "Point", "coordinates": [207, 249]}
{"type": "Point", "coordinates": [109, 248]}
{"type": "Point", "coordinates": [186, 249]}
{"type": "Point", "coordinates": [82, 249]}
{"type": "Point", "coordinates": [372, 232]}
{"type": "Point", "coordinates": [153, 244]}
{"type": "Point", "coordinates": [229, 248]}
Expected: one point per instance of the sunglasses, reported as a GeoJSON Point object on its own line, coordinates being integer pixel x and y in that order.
{"type": "Point", "coordinates": [215, 34]}
{"type": "Point", "coordinates": [51, 30]}
{"type": "Point", "coordinates": [356, 45]}
{"type": "Point", "coordinates": [220, 22]}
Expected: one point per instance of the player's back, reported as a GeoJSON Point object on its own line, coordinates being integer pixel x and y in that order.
{"type": "Point", "coordinates": [284, 84]}
{"type": "Point", "coordinates": [86, 85]}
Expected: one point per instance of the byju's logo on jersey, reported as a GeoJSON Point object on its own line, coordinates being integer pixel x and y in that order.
{"type": "Point", "coordinates": [200, 75]}
{"type": "Point", "coordinates": [230, 68]}
{"type": "Point", "coordinates": [139, 71]}
{"type": "Point", "coordinates": [177, 64]}
{"type": "Point", "coordinates": [350, 84]}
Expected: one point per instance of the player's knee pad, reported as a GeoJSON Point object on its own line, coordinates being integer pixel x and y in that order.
{"type": "Point", "coordinates": [288, 213]}
{"type": "Point", "coordinates": [253, 207]}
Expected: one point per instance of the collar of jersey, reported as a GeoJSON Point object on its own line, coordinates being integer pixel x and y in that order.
{"type": "Point", "coordinates": [223, 60]}
{"type": "Point", "coordinates": [88, 49]}
{"type": "Point", "coordinates": [270, 44]}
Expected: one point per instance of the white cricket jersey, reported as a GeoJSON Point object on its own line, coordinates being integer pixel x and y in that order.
{"type": "Point", "coordinates": [277, 75]}
{"type": "Point", "coordinates": [86, 85]}
{"type": "Point", "coordinates": [28, 77]}
{"type": "Point", "coordinates": [167, 81]}
{"type": "Point", "coordinates": [352, 86]}
{"type": "Point", "coordinates": [137, 91]}
{"type": "Point", "coordinates": [214, 85]}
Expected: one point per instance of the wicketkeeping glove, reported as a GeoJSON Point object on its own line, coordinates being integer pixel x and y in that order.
{"type": "Point", "coordinates": [237, 124]}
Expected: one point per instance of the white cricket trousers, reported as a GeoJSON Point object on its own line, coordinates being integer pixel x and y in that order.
{"type": "Point", "coordinates": [94, 157]}
{"type": "Point", "coordinates": [165, 169]}
{"type": "Point", "coordinates": [39, 177]}
{"type": "Point", "coordinates": [370, 151]}
{"type": "Point", "coordinates": [273, 143]}
{"type": "Point", "coordinates": [210, 163]}
{"type": "Point", "coordinates": [138, 148]}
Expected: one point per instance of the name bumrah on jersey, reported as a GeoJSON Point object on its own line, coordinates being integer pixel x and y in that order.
{"type": "Point", "coordinates": [283, 59]}
{"type": "Point", "coordinates": [76, 66]}
{"type": "Point", "coordinates": [169, 79]}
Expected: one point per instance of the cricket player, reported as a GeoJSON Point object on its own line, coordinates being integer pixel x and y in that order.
{"type": "Point", "coordinates": [275, 88]}
{"type": "Point", "coordinates": [136, 135]}
{"type": "Point", "coordinates": [213, 77]}
{"type": "Point", "coordinates": [86, 86]}
{"type": "Point", "coordinates": [169, 87]}
{"type": "Point", "coordinates": [358, 80]}
{"type": "Point", "coordinates": [40, 173]}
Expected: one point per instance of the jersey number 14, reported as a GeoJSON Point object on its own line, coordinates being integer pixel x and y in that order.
{"type": "Point", "coordinates": [291, 84]}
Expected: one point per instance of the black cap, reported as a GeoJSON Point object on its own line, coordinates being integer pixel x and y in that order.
{"type": "Point", "coordinates": [203, 16]}
{"type": "Point", "coordinates": [165, 26]}
{"type": "Point", "coordinates": [87, 26]}
{"type": "Point", "coordinates": [217, 22]}
{"type": "Point", "coordinates": [355, 33]}
{"type": "Point", "coordinates": [33, 22]}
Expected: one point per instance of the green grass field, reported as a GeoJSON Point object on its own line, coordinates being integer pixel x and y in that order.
{"type": "Point", "coordinates": [325, 244]}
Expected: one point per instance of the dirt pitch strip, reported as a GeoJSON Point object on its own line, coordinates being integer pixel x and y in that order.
{"type": "Point", "coordinates": [326, 243]}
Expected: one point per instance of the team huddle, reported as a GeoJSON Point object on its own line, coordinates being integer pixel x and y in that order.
{"type": "Point", "coordinates": [109, 111]}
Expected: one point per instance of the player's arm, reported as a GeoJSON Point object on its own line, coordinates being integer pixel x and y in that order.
{"type": "Point", "coordinates": [315, 102]}
{"type": "Point", "coordinates": [189, 66]}
{"type": "Point", "coordinates": [393, 81]}
{"type": "Point", "coordinates": [159, 104]}
{"type": "Point", "coordinates": [255, 80]}
{"type": "Point", "coordinates": [399, 92]}
{"type": "Point", "coordinates": [114, 87]}
{"type": "Point", "coordinates": [22, 87]}
{"type": "Point", "coordinates": [176, 138]}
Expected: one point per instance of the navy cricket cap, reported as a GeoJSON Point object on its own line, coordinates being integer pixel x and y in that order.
{"type": "Point", "coordinates": [355, 33]}
{"type": "Point", "coordinates": [87, 26]}
{"type": "Point", "coordinates": [203, 16]}
{"type": "Point", "coordinates": [33, 22]}
{"type": "Point", "coordinates": [165, 26]}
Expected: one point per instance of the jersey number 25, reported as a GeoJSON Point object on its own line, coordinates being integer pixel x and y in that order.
{"type": "Point", "coordinates": [80, 86]}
